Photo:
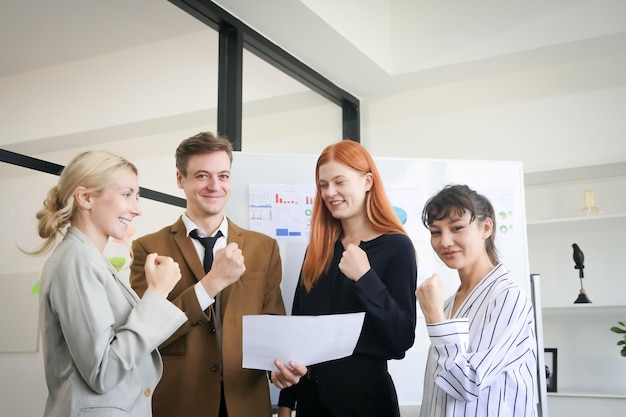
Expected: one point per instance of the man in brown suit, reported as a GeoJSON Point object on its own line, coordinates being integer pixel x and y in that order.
{"type": "Point", "coordinates": [202, 373]}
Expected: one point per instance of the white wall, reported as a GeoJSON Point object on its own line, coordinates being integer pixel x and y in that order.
{"type": "Point", "coordinates": [548, 118]}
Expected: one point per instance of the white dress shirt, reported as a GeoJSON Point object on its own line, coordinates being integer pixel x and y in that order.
{"type": "Point", "coordinates": [204, 298]}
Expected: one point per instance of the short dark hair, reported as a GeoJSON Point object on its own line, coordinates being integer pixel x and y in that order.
{"type": "Point", "coordinates": [203, 142]}
{"type": "Point", "coordinates": [458, 199]}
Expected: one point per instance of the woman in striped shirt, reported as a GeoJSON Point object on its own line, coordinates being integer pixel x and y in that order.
{"type": "Point", "coordinates": [483, 355]}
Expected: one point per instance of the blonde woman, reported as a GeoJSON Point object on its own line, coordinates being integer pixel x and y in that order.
{"type": "Point", "coordinates": [99, 339]}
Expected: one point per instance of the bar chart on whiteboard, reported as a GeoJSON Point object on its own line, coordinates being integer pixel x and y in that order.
{"type": "Point", "coordinates": [282, 211]}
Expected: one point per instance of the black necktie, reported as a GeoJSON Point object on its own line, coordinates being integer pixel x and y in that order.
{"type": "Point", "coordinates": [215, 310]}
{"type": "Point", "coordinates": [208, 243]}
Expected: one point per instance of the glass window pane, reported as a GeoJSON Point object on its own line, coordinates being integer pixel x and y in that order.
{"type": "Point", "coordinates": [281, 115]}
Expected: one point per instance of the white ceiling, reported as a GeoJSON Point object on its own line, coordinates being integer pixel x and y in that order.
{"type": "Point", "coordinates": [37, 34]}
{"type": "Point", "coordinates": [368, 47]}
{"type": "Point", "coordinates": [377, 47]}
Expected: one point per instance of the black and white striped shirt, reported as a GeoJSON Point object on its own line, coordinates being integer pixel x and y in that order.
{"type": "Point", "coordinates": [483, 361]}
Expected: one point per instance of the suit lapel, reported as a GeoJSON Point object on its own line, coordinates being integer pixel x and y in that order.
{"type": "Point", "coordinates": [130, 295]}
{"type": "Point", "coordinates": [187, 249]}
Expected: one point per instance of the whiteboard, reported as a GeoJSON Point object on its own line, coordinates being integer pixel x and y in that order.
{"type": "Point", "coordinates": [409, 182]}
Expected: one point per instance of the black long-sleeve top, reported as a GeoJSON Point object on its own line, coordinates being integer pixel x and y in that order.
{"type": "Point", "coordinates": [386, 293]}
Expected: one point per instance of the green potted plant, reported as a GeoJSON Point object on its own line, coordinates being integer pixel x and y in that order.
{"type": "Point", "coordinates": [622, 331]}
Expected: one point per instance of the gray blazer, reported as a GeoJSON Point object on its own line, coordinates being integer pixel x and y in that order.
{"type": "Point", "coordinates": [99, 339]}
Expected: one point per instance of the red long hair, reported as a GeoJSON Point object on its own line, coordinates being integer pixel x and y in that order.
{"type": "Point", "coordinates": [325, 229]}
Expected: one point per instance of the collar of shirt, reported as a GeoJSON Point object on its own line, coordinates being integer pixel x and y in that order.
{"type": "Point", "coordinates": [190, 225]}
{"type": "Point", "coordinates": [219, 244]}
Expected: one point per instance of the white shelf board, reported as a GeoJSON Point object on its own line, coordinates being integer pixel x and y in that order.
{"type": "Point", "coordinates": [577, 220]}
{"type": "Point", "coordinates": [584, 173]}
{"type": "Point", "coordinates": [584, 307]}
{"type": "Point", "coordinates": [587, 395]}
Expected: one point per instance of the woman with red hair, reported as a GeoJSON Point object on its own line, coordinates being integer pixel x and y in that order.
{"type": "Point", "coordinates": [359, 259]}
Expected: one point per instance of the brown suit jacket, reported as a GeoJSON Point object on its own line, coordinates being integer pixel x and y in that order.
{"type": "Point", "coordinates": [190, 385]}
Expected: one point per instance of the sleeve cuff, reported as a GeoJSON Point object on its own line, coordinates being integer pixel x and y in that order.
{"type": "Point", "coordinates": [204, 299]}
{"type": "Point", "coordinates": [450, 331]}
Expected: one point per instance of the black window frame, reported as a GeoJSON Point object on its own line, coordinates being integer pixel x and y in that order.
{"type": "Point", "coordinates": [234, 36]}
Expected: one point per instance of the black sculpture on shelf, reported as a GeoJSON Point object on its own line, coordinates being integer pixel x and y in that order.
{"type": "Point", "coordinates": [579, 260]}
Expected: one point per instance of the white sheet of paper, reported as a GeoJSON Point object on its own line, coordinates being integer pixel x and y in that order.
{"type": "Point", "coordinates": [306, 339]}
